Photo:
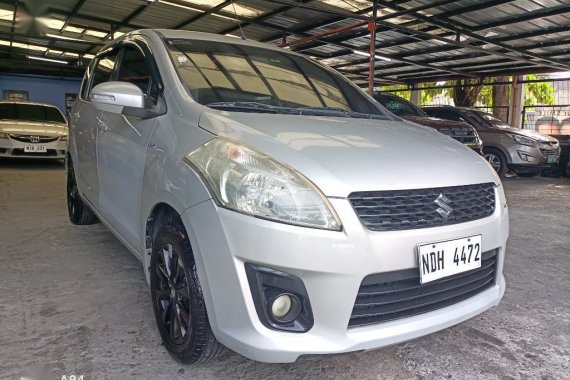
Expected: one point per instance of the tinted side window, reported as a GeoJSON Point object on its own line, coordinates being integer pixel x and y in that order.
{"type": "Point", "coordinates": [134, 69]}
{"type": "Point", "coordinates": [104, 69]}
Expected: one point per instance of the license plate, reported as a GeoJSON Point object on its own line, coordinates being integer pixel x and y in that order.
{"type": "Point", "coordinates": [446, 258]}
{"type": "Point", "coordinates": [35, 149]}
{"type": "Point", "coordinates": [552, 159]}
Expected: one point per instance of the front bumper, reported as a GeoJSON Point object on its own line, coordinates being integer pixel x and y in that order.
{"type": "Point", "coordinates": [13, 148]}
{"type": "Point", "coordinates": [332, 266]}
{"type": "Point", "coordinates": [530, 158]}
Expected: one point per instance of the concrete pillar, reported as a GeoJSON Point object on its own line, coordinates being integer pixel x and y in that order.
{"type": "Point", "coordinates": [416, 98]}
{"type": "Point", "coordinates": [517, 102]}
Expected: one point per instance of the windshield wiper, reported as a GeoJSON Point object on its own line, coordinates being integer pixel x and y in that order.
{"type": "Point", "coordinates": [311, 111]}
{"type": "Point", "coordinates": [245, 106]}
{"type": "Point", "coordinates": [333, 111]}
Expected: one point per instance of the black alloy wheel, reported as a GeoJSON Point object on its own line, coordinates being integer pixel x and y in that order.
{"type": "Point", "coordinates": [177, 300]}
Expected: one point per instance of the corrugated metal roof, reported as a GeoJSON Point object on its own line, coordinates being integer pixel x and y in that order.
{"type": "Point", "coordinates": [418, 36]}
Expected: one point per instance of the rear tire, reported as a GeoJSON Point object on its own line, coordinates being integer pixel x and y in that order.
{"type": "Point", "coordinates": [177, 299]}
{"type": "Point", "coordinates": [497, 160]}
{"type": "Point", "coordinates": [79, 213]}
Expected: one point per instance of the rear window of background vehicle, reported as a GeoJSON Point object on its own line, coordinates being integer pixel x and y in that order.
{"type": "Point", "coordinates": [30, 112]}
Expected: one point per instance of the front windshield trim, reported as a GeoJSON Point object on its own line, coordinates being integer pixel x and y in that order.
{"type": "Point", "coordinates": [340, 84]}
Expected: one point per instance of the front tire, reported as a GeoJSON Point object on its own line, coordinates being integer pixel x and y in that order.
{"type": "Point", "coordinates": [497, 160]}
{"type": "Point", "coordinates": [177, 299]}
{"type": "Point", "coordinates": [79, 213]}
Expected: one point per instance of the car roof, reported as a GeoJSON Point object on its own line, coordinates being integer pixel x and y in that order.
{"type": "Point", "coordinates": [187, 34]}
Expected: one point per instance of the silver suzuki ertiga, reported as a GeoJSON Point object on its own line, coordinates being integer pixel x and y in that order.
{"type": "Point", "coordinates": [276, 208]}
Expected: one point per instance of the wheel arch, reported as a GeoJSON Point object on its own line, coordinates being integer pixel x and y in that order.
{"type": "Point", "coordinates": [161, 213]}
{"type": "Point", "coordinates": [501, 149]}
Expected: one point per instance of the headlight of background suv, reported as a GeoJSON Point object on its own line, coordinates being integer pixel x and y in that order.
{"type": "Point", "coordinates": [522, 139]}
{"type": "Point", "coordinates": [248, 181]}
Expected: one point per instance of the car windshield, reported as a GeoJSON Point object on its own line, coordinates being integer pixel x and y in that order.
{"type": "Point", "coordinates": [492, 120]}
{"type": "Point", "coordinates": [399, 106]}
{"type": "Point", "coordinates": [253, 79]}
{"type": "Point", "coordinates": [30, 112]}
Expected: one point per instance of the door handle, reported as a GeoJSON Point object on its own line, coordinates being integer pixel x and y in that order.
{"type": "Point", "coordinates": [102, 124]}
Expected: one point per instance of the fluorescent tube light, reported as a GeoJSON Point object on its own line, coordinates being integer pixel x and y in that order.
{"type": "Point", "coordinates": [47, 59]}
{"type": "Point", "coordinates": [365, 54]}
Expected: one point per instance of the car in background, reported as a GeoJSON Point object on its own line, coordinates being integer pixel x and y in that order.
{"type": "Point", "coordinates": [460, 131]}
{"type": "Point", "coordinates": [525, 152]}
{"type": "Point", "coordinates": [32, 130]}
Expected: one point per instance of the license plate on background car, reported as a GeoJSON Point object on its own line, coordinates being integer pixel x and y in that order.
{"type": "Point", "coordinates": [446, 258]}
{"type": "Point", "coordinates": [35, 149]}
{"type": "Point", "coordinates": [552, 159]}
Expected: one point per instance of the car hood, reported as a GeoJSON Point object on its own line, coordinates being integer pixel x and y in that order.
{"type": "Point", "coordinates": [436, 123]}
{"type": "Point", "coordinates": [532, 134]}
{"type": "Point", "coordinates": [20, 127]}
{"type": "Point", "coordinates": [342, 155]}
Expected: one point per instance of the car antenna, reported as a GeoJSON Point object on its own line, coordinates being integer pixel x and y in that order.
{"type": "Point", "coordinates": [239, 21]}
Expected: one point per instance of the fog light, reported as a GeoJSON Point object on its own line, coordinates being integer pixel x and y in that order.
{"type": "Point", "coordinates": [525, 156]}
{"type": "Point", "coordinates": [280, 298]}
{"type": "Point", "coordinates": [281, 306]}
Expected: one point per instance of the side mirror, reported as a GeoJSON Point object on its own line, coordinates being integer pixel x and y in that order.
{"type": "Point", "coordinates": [114, 96]}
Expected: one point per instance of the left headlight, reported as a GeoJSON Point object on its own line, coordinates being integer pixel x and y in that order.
{"type": "Point", "coordinates": [248, 181]}
{"type": "Point", "coordinates": [63, 138]}
{"type": "Point", "coordinates": [522, 139]}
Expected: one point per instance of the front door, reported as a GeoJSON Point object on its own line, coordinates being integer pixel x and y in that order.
{"type": "Point", "coordinates": [122, 147]}
{"type": "Point", "coordinates": [84, 122]}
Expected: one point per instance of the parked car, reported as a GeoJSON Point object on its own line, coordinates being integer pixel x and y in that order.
{"type": "Point", "coordinates": [32, 130]}
{"type": "Point", "coordinates": [460, 131]}
{"type": "Point", "coordinates": [276, 208]}
{"type": "Point", "coordinates": [525, 152]}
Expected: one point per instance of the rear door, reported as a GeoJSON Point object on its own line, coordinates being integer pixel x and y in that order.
{"type": "Point", "coordinates": [84, 126]}
{"type": "Point", "coordinates": [122, 146]}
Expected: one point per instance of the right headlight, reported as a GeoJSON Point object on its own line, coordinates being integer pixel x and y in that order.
{"type": "Point", "coordinates": [522, 139]}
{"type": "Point", "coordinates": [3, 135]}
{"type": "Point", "coordinates": [248, 181]}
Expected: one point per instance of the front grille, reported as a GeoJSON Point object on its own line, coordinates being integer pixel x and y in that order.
{"type": "Point", "coordinates": [34, 138]}
{"type": "Point", "coordinates": [393, 295]}
{"type": "Point", "coordinates": [410, 209]}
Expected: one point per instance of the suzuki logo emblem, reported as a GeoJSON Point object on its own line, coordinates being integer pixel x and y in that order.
{"type": "Point", "coordinates": [444, 209]}
{"type": "Point", "coordinates": [35, 139]}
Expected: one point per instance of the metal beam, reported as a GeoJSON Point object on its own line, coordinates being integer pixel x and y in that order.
{"type": "Point", "coordinates": [204, 14]}
{"type": "Point", "coordinates": [345, 46]}
{"type": "Point", "coordinates": [262, 17]}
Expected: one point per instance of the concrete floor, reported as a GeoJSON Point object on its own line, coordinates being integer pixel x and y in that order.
{"type": "Point", "coordinates": [75, 301]}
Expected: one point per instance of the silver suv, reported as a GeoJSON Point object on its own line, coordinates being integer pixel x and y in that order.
{"type": "Point", "coordinates": [523, 151]}
{"type": "Point", "coordinates": [276, 208]}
